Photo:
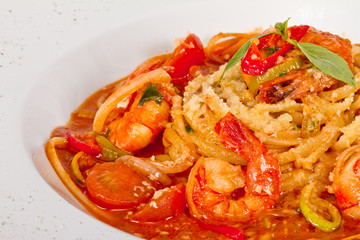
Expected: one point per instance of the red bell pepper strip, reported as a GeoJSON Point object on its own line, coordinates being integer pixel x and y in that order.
{"type": "Point", "coordinates": [85, 143]}
{"type": "Point", "coordinates": [254, 64]}
{"type": "Point", "coordinates": [231, 232]}
{"type": "Point", "coordinates": [188, 53]}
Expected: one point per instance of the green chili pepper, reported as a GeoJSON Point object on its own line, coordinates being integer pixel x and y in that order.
{"type": "Point", "coordinates": [274, 72]}
{"type": "Point", "coordinates": [108, 150]}
{"type": "Point", "coordinates": [313, 217]}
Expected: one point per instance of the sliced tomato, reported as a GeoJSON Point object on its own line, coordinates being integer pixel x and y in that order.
{"type": "Point", "coordinates": [170, 203]}
{"type": "Point", "coordinates": [83, 142]}
{"type": "Point", "coordinates": [188, 53]}
{"type": "Point", "coordinates": [114, 185]}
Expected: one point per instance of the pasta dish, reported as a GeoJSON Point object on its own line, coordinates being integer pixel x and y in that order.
{"type": "Point", "coordinates": [253, 136]}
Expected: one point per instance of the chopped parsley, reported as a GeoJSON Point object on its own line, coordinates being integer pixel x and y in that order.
{"type": "Point", "coordinates": [151, 93]}
{"type": "Point", "coordinates": [107, 133]}
{"type": "Point", "coordinates": [271, 51]}
{"type": "Point", "coordinates": [188, 129]}
{"type": "Point", "coordinates": [297, 127]}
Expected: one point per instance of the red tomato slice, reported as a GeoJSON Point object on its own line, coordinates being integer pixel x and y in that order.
{"type": "Point", "coordinates": [114, 185]}
{"type": "Point", "coordinates": [188, 53]}
{"type": "Point", "coordinates": [169, 204]}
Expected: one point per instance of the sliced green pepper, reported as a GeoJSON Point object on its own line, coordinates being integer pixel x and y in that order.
{"type": "Point", "coordinates": [108, 150]}
{"type": "Point", "coordinates": [274, 72]}
{"type": "Point", "coordinates": [313, 217]}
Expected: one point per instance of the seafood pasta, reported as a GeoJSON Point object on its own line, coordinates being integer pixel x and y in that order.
{"type": "Point", "coordinates": [253, 136]}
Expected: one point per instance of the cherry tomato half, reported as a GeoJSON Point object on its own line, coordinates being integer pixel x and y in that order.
{"type": "Point", "coordinates": [188, 53]}
{"type": "Point", "coordinates": [114, 185]}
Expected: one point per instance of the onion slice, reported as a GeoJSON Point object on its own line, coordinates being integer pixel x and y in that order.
{"type": "Point", "coordinates": [146, 168]}
{"type": "Point", "coordinates": [315, 218]}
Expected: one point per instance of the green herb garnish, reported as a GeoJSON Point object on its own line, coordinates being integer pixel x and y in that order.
{"type": "Point", "coordinates": [328, 62]}
{"type": "Point", "coordinates": [271, 51]}
{"type": "Point", "coordinates": [297, 127]}
{"type": "Point", "coordinates": [188, 129]}
{"type": "Point", "coordinates": [151, 93]}
{"type": "Point", "coordinates": [282, 27]}
{"type": "Point", "coordinates": [107, 133]}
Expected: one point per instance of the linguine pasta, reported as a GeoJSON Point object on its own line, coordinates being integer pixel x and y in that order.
{"type": "Point", "coordinates": [295, 174]}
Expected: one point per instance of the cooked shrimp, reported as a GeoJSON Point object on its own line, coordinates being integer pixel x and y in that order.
{"type": "Point", "coordinates": [139, 126]}
{"type": "Point", "coordinates": [296, 83]}
{"type": "Point", "coordinates": [346, 182]}
{"type": "Point", "coordinates": [334, 43]}
{"type": "Point", "coordinates": [219, 191]}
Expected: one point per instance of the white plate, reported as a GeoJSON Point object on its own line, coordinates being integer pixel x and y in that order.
{"type": "Point", "coordinates": [71, 79]}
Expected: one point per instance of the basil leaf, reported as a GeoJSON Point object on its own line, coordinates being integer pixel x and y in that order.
{"type": "Point", "coordinates": [282, 27]}
{"type": "Point", "coordinates": [328, 62]}
{"type": "Point", "coordinates": [151, 93]}
{"type": "Point", "coordinates": [240, 54]}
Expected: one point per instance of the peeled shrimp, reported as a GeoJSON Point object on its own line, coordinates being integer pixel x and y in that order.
{"type": "Point", "coordinates": [346, 184]}
{"type": "Point", "coordinates": [139, 126]}
{"type": "Point", "coordinates": [219, 191]}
